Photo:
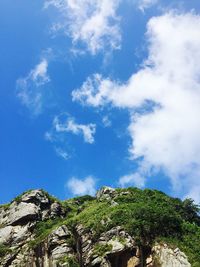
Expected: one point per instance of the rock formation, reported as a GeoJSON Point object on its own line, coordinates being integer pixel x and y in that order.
{"type": "Point", "coordinates": [36, 230]}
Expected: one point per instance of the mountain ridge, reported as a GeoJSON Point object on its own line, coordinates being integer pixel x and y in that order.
{"type": "Point", "coordinates": [117, 228]}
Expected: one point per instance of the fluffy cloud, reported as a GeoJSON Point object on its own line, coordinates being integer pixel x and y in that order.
{"type": "Point", "coordinates": [30, 88]}
{"type": "Point", "coordinates": [93, 23]}
{"type": "Point", "coordinates": [70, 126]}
{"type": "Point", "coordinates": [165, 134]}
{"type": "Point", "coordinates": [86, 186]}
{"type": "Point", "coordinates": [132, 179]}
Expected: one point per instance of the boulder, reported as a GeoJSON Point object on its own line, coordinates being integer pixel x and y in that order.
{"type": "Point", "coordinates": [59, 236]}
{"type": "Point", "coordinates": [168, 257]}
{"type": "Point", "coordinates": [6, 234]}
{"type": "Point", "coordinates": [14, 235]}
{"type": "Point", "coordinates": [37, 197]}
{"type": "Point", "coordinates": [56, 210]}
{"type": "Point", "coordinates": [23, 213]}
{"type": "Point", "coordinates": [105, 193]}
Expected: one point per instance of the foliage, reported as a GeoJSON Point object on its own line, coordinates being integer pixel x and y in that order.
{"type": "Point", "coordinates": [71, 261]}
{"type": "Point", "coordinates": [19, 198]}
{"type": "Point", "coordinates": [43, 229]}
{"type": "Point", "coordinates": [4, 250]}
{"type": "Point", "coordinates": [5, 206]}
{"type": "Point", "coordinates": [188, 243]}
{"type": "Point", "coordinates": [50, 197]}
{"type": "Point", "coordinates": [148, 215]}
{"type": "Point", "coordinates": [101, 249]}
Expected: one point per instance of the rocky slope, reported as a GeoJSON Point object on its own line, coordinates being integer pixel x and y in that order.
{"type": "Point", "coordinates": [37, 230]}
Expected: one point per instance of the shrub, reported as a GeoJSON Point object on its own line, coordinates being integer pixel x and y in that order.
{"type": "Point", "coordinates": [4, 250]}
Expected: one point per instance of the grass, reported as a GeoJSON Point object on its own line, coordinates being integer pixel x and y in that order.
{"type": "Point", "coordinates": [43, 229]}
{"type": "Point", "coordinates": [102, 249]}
{"type": "Point", "coordinates": [4, 250]}
{"type": "Point", "coordinates": [70, 261]}
{"type": "Point", "coordinates": [5, 206]}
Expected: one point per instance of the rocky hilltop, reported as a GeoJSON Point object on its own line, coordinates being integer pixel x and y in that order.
{"type": "Point", "coordinates": [117, 228]}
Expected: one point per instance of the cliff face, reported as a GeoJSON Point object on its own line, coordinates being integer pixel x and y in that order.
{"type": "Point", "coordinates": [36, 230]}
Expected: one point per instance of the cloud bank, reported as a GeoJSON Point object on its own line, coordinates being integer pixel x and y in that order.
{"type": "Point", "coordinates": [163, 99]}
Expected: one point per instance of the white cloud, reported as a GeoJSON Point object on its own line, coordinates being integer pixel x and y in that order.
{"type": "Point", "coordinates": [70, 126]}
{"type": "Point", "coordinates": [29, 88]}
{"type": "Point", "coordinates": [39, 73]}
{"type": "Point", "coordinates": [165, 136]}
{"type": "Point", "coordinates": [62, 153]}
{"type": "Point", "coordinates": [132, 179]}
{"type": "Point", "coordinates": [106, 121]}
{"type": "Point", "coordinates": [144, 4]}
{"type": "Point", "coordinates": [86, 186]}
{"type": "Point", "coordinates": [90, 22]}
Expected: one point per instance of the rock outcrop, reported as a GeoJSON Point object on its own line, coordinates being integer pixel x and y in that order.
{"type": "Point", "coordinates": [166, 256]}
{"type": "Point", "coordinates": [36, 231]}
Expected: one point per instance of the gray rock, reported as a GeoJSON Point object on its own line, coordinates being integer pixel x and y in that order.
{"type": "Point", "coordinates": [23, 213]}
{"type": "Point", "coordinates": [61, 251]}
{"type": "Point", "coordinates": [168, 257]}
{"type": "Point", "coordinates": [15, 235]}
{"type": "Point", "coordinates": [37, 197]}
{"type": "Point", "coordinates": [105, 193]}
{"type": "Point", "coordinates": [56, 210]}
{"type": "Point", "coordinates": [59, 235]}
{"type": "Point", "coordinates": [6, 234]}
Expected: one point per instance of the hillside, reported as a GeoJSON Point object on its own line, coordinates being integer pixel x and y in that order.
{"type": "Point", "coordinates": [117, 228]}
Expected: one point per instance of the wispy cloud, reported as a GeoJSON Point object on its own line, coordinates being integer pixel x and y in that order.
{"type": "Point", "coordinates": [86, 186]}
{"type": "Point", "coordinates": [133, 179]}
{"type": "Point", "coordinates": [144, 4]}
{"type": "Point", "coordinates": [64, 127]}
{"type": "Point", "coordinates": [106, 121]}
{"type": "Point", "coordinates": [166, 136]}
{"type": "Point", "coordinates": [93, 23]}
{"type": "Point", "coordinates": [62, 153]}
{"type": "Point", "coordinates": [70, 126]}
{"type": "Point", "coordinates": [30, 88]}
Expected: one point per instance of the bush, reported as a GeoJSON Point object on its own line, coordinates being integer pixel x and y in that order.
{"type": "Point", "coordinates": [4, 250]}
{"type": "Point", "coordinates": [71, 261]}
{"type": "Point", "coordinates": [101, 249]}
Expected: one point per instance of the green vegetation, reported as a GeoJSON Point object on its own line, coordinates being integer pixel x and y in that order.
{"type": "Point", "coordinates": [18, 198]}
{"type": "Point", "coordinates": [71, 261]}
{"type": "Point", "coordinates": [101, 249]}
{"type": "Point", "coordinates": [148, 215]}
{"type": "Point", "coordinates": [4, 250]}
{"type": "Point", "coordinates": [5, 206]}
{"type": "Point", "coordinates": [43, 229]}
{"type": "Point", "coordinates": [189, 242]}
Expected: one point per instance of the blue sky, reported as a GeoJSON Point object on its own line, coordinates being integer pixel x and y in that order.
{"type": "Point", "coordinates": [97, 93]}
